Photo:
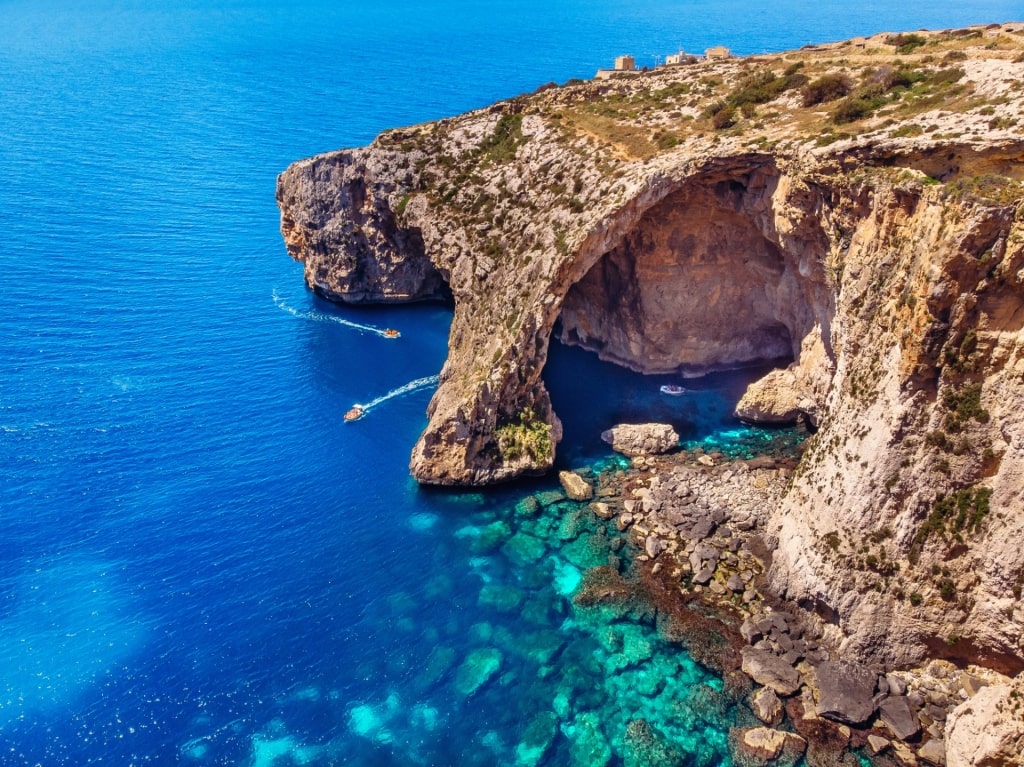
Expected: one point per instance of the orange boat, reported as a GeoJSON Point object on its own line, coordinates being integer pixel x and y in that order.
{"type": "Point", "coordinates": [391, 333]}
{"type": "Point", "coordinates": [354, 413]}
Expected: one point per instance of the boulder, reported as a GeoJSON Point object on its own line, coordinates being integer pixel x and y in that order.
{"type": "Point", "coordinates": [703, 576]}
{"type": "Point", "coordinates": [602, 510]}
{"type": "Point", "coordinates": [776, 398]}
{"type": "Point", "coordinates": [761, 745]}
{"type": "Point", "coordinates": [971, 683]}
{"type": "Point", "coordinates": [641, 439]}
{"type": "Point", "coordinates": [653, 546]}
{"type": "Point", "coordinates": [985, 729]}
{"type": "Point", "coordinates": [877, 744]}
{"type": "Point", "coordinates": [766, 706]}
{"type": "Point", "coordinates": [896, 684]}
{"type": "Point", "coordinates": [934, 752]}
{"type": "Point", "coordinates": [846, 691]}
{"type": "Point", "coordinates": [749, 631]}
{"type": "Point", "coordinates": [769, 670]}
{"type": "Point", "coordinates": [899, 717]}
{"type": "Point", "coordinates": [577, 488]}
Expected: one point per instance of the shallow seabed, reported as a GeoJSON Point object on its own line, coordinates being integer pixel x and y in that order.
{"type": "Point", "coordinates": [509, 669]}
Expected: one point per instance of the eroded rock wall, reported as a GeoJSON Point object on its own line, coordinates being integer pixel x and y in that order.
{"type": "Point", "coordinates": [704, 280]}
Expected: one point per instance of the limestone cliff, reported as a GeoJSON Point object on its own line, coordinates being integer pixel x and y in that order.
{"type": "Point", "coordinates": [853, 210]}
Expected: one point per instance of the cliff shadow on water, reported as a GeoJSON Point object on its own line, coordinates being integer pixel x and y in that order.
{"type": "Point", "coordinates": [591, 395]}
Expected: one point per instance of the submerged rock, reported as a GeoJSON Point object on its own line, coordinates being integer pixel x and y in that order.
{"type": "Point", "coordinates": [478, 669]}
{"type": "Point", "coordinates": [503, 598]}
{"type": "Point", "coordinates": [644, 746]}
{"type": "Point", "coordinates": [588, 746]}
{"type": "Point", "coordinates": [438, 664]}
{"type": "Point", "coordinates": [641, 439]}
{"type": "Point", "coordinates": [523, 549]}
{"type": "Point", "coordinates": [537, 739]}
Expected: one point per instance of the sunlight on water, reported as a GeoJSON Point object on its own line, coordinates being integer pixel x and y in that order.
{"type": "Point", "coordinates": [70, 621]}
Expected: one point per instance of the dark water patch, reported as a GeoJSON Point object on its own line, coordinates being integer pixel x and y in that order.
{"type": "Point", "coordinates": [590, 396]}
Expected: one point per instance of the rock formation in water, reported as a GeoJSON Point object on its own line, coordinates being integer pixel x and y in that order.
{"type": "Point", "coordinates": [853, 210]}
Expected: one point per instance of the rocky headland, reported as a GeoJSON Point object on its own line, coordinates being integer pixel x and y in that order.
{"type": "Point", "coordinates": [853, 211]}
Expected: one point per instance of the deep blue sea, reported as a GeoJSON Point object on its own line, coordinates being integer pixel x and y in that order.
{"type": "Point", "coordinates": [200, 563]}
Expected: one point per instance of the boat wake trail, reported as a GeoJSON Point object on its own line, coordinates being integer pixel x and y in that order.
{"type": "Point", "coordinates": [321, 317]}
{"type": "Point", "coordinates": [409, 388]}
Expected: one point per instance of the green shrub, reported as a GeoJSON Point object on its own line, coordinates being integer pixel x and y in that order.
{"type": "Point", "coordinates": [947, 589]}
{"type": "Point", "coordinates": [963, 511]}
{"type": "Point", "coordinates": [765, 86]}
{"type": "Point", "coordinates": [916, 599]}
{"type": "Point", "coordinates": [905, 43]}
{"type": "Point", "coordinates": [501, 145]}
{"type": "Point", "coordinates": [528, 435]}
{"type": "Point", "coordinates": [826, 88]}
{"type": "Point", "coordinates": [724, 118]}
{"type": "Point", "coordinates": [964, 404]}
{"type": "Point", "coordinates": [853, 109]}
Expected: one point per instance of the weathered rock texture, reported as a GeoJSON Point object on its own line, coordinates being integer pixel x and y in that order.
{"type": "Point", "coordinates": [641, 438]}
{"type": "Point", "coordinates": [988, 729]}
{"type": "Point", "coordinates": [875, 245]}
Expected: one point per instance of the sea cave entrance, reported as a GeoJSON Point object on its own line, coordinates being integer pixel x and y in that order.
{"type": "Point", "coordinates": [699, 289]}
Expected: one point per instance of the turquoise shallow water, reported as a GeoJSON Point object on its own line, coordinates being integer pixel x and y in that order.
{"type": "Point", "coordinates": [199, 563]}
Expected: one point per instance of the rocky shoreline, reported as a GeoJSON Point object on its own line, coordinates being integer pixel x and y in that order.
{"type": "Point", "coordinates": [699, 526]}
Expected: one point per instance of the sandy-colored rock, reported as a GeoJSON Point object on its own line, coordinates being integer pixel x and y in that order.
{"type": "Point", "coordinates": [762, 745]}
{"type": "Point", "coordinates": [776, 398]}
{"type": "Point", "coordinates": [577, 488]}
{"type": "Point", "coordinates": [766, 706]}
{"type": "Point", "coordinates": [988, 729]}
{"type": "Point", "coordinates": [641, 438]}
{"type": "Point", "coordinates": [877, 744]}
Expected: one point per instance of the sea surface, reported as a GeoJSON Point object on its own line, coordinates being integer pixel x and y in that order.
{"type": "Point", "coordinates": [200, 563]}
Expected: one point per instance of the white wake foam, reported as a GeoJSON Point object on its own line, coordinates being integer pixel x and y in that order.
{"type": "Point", "coordinates": [316, 316]}
{"type": "Point", "coordinates": [419, 383]}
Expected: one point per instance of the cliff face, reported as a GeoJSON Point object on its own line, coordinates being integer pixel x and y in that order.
{"type": "Point", "coordinates": [874, 243]}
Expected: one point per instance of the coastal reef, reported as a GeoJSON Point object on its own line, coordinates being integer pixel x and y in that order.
{"type": "Point", "coordinates": [853, 212]}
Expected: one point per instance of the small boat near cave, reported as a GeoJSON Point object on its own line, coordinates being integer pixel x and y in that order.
{"type": "Point", "coordinates": [354, 413]}
{"type": "Point", "coordinates": [673, 390]}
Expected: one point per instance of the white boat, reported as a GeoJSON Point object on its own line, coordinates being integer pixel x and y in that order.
{"type": "Point", "coordinates": [672, 389]}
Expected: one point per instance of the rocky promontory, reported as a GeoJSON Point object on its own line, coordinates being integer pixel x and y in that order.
{"type": "Point", "coordinates": [851, 211]}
